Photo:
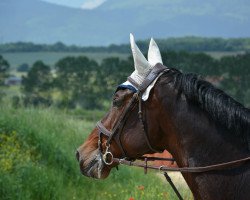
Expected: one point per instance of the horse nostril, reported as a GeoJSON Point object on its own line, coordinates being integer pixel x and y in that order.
{"type": "Point", "coordinates": [77, 156]}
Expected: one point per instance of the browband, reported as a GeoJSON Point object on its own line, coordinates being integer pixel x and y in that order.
{"type": "Point", "coordinates": [158, 68]}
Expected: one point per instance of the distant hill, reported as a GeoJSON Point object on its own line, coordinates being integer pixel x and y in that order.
{"type": "Point", "coordinates": [41, 22]}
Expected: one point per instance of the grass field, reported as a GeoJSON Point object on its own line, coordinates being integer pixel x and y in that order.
{"type": "Point", "coordinates": [37, 161]}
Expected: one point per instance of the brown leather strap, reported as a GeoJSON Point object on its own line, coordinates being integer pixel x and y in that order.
{"type": "Point", "coordinates": [143, 128]}
{"type": "Point", "coordinates": [119, 125]}
{"type": "Point", "coordinates": [124, 113]}
{"type": "Point", "coordinates": [133, 82]}
{"type": "Point", "coordinates": [155, 158]}
{"type": "Point", "coordinates": [103, 129]}
{"type": "Point", "coordinates": [221, 166]}
{"type": "Point", "coordinates": [157, 69]}
{"type": "Point", "coordinates": [173, 186]}
{"type": "Point", "coordinates": [153, 74]}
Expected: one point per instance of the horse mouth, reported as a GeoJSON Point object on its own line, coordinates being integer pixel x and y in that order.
{"type": "Point", "coordinates": [94, 169]}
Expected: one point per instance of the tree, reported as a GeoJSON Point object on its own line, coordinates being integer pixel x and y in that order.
{"type": "Point", "coordinates": [37, 84]}
{"type": "Point", "coordinates": [4, 66]}
{"type": "Point", "coordinates": [113, 71]}
{"type": "Point", "coordinates": [77, 82]}
{"type": "Point", "coordinates": [236, 80]}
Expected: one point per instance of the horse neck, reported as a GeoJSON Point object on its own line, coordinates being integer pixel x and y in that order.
{"type": "Point", "coordinates": [195, 139]}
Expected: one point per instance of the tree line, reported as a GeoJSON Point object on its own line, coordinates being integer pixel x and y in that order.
{"type": "Point", "coordinates": [176, 44]}
{"type": "Point", "coordinates": [74, 82]}
{"type": "Point", "coordinates": [81, 82]}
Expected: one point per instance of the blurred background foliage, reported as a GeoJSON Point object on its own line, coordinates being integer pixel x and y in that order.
{"type": "Point", "coordinates": [82, 82]}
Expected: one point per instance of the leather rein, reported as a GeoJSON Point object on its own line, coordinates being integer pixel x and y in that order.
{"type": "Point", "coordinates": [115, 134]}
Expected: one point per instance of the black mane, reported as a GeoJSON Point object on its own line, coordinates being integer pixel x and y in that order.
{"type": "Point", "coordinates": [222, 108]}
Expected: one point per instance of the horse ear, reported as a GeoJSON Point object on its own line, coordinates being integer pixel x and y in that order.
{"type": "Point", "coordinates": [154, 54]}
{"type": "Point", "coordinates": [140, 62]}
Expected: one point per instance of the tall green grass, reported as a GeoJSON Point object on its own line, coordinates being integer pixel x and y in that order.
{"type": "Point", "coordinates": [37, 161]}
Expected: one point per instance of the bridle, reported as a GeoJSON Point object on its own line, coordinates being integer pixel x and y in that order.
{"type": "Point", "coordinates": [115, 133]}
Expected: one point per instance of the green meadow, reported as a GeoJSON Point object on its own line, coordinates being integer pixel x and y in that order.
{"type": "Point", "coordinates": [37, 161]}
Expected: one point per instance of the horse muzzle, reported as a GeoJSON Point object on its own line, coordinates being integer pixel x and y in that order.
{"type": "Point", "coordinates": [93, 167]}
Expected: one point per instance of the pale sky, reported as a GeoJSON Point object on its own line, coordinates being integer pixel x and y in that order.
{"type": "Point", "coordinates": [85, 4]}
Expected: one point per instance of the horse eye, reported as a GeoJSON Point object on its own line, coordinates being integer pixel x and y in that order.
{"type": "Point", "coordinates": [117, 102]}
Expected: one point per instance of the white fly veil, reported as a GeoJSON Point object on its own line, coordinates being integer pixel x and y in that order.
{"type": "Point", "coordinates": [144, 66]}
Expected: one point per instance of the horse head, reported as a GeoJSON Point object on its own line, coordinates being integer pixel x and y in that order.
{"type": "Point", "coordinates": [122, 132]}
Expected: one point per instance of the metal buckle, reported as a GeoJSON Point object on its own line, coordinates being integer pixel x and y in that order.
{"type": "Point", "coordinates": [160, 168]}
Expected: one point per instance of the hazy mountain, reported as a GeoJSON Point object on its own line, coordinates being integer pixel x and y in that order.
{"type": "Point", "coordinates": [42, 22]}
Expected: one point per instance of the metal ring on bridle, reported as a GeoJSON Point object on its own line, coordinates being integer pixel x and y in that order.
{"type": "Point", "coordinates": [108, 158]}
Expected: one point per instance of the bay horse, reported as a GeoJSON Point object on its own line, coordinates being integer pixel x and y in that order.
{"type": "Point", "coordinates": [197, 123]}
